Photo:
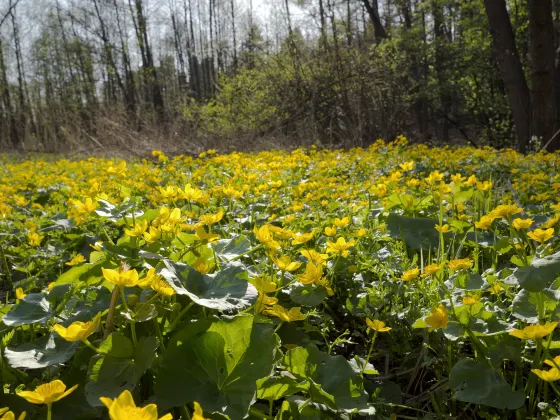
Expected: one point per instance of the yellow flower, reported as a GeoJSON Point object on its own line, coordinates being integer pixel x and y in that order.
{"type": "Point", "coordinates": [118, 170]}
{"type": "Point", "coordinates": [206, 237]}
{"type": "Point", "coordinates": [484, 186]}
{"type": "Point", "coordinates": [431, 269]}
{"type": "Point", "coordinates": [78, 331]}
{"type": "Point", "coordinates": [122, 278]}
{"type": "Point", "coordinates": [505, 211]}
{"type": "Point", "coordinates": [437, 319]}
{"type": "Point", "coordinates": [313, 273]}
{"type": "Point", "coordinates": [533, 332]}
{"type": "Point", "coordinates": [522, 223]}
{"type": "Point", "coordinates": [146, 282]}
{"type": "Point", "coordinates": [377, 325]}
{"type": "Point", "coordinates": [339, 247]}
{"type": "Point", "coordinates": [202, 266]}
{"type": "Point", "coordinates": [263, 301]}
{"type": "Point", "coordinates": [124, 408]}
{"type": "Point", "coordinates": [553, 221]}
{"type": "Point", "coordinates": [407, 166]}
{"type": "Point", "coordinates": [265, 237]}
{"type": "Point", "coordinates": [496, 288]}
{"type": "Point", "coordinates": [442, 229]}
{"type": "Point", "coordinates": [484, 223]}
{"type": "Point", "coordinates": [78, 259]}
{"type": "Point", "coordinates": [210, 219]}
{"type": "Point", "coordinates": [34, 238]}
{"type": "Point", "coordinates": [8, 415]}
{"type": "Point", "coordinates": [541, 235]}
{"type": "Point", "coordinates": [138, 230]}
{"type": "Point", "coordinates": [294, 314]}
{"type": "Point", "coordinates": [461, 264]}
{"type": "Point", "coordinates": [547, 375]}
{"type": "Point", "coordinates": [198, 414]}
{"type": "Point", "coordinates": [314, 256]}
{"type": "Point", "coordinates": [84, 208]}
{"type": "Point", "coordinates": [47, 393]}
{"type": "Point", "coordinates": [20, 294]}
{"type": "Point", "coordinates": [152, 235]}
{"type": "Point", "coordinates": [301, 238]}
{"type": "Point", "coordinates": [458, 178]}
{"type": "Point", "coordinates": [470, 300]}
{"type": "Point", "coordinates": [342, 223]}
{"type": "Point", "coordinates": [263, 285]}
{"type": "Point", "coordinates": [330, 230]}
{"type": "Point", "coordinates": [410, 274]}
{"type": "Point", "coordinates": [360, 233]}
{"type": "Point", "coordinates": [285, 263]}
{"type": "Point", "coordinates": [161, 287]}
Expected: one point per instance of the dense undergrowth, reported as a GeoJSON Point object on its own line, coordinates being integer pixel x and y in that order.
{"type": "Point", "coordinates": [390, 282]}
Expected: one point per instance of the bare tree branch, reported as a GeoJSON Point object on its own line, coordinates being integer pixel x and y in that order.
{"type": "Point", "coordinates": [11, 7]}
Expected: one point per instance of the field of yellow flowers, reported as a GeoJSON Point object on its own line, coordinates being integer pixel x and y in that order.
{"type": "Point", "coordinates": [390, 282]}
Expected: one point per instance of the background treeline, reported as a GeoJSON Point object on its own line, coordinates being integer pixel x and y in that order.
{"type": "Point", "coordinates": [190, 74]}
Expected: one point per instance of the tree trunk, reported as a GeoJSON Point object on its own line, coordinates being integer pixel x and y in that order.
{"type": "Point", "coordinates": [373, 12]}
{"type": "Point", "coordinates": [511, 70]}
{"type": "Point", "coordinates": [541, 52]}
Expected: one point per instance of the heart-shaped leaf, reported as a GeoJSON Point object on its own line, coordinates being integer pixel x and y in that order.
{"type": "Point", "coordinates": [225, 290]}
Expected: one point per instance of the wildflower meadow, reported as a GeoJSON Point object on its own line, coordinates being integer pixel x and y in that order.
{"type": "Point", "coordinates": [394, 282]}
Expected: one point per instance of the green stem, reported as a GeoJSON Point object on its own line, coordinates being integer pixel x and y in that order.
{"type": "Point", "coordinates": [158, 332]}
{"type": "Point", "coordinates": [8, 285]}
{"type": "Point", "coordinates": [49, 411]}
{"type": "Point", "coordinates": [132, 323]}
{"type": "Point", "coordinates": [369, 352]}
{"type": "Point", "coordinates": [91, 346]}
{"type": "Point", "coordinates": [176, 320]}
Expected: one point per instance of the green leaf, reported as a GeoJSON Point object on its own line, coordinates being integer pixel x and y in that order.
{"type": "Point", "coordinates": [416, 232]}
{"type": "Point", "coordinates": [333, 374]}
{"type": "Point", "coordinates": [229, 249]}
{"type": "Point", "coordinates": [33, 309]}
{"type": "Point", "coordinates": [539, 274]}
{"type": "Point", "coordinates": [480, 384]}
{"type": "Point", "coordinates": [225, 290]}
{"type": "Point", "coordinates": [117, 345]}
{"type": "Point", "coordinates": [308, 295]}
{"type": "Point", "coordinates": [502, 246]}
{"type": "Point", "coordinates": [217, 364]}
{"type": "Point", "coordinates": [80, 272]}
{"type": "Point", "coordinates": [47, 351]}
{"type": "Point", "coordinates": [274, 388]}
{"type": "Point", "coordinates": [525, 304]}
{"type": "Point", "coordinates": [109, 375]}
{"type": "Point", "coordinates": [508, 348]}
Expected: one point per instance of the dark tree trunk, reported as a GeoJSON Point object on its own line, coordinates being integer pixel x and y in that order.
{"type": "Point", "coordinates": [511, 70]}
{"type": "Point", "coordinates": [373, 12]}
{"type": "Point", "coordinates": [541, 53]}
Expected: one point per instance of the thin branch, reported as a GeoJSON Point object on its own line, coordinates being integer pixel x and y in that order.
{"type": "Point", "coordinates": [11, 7]}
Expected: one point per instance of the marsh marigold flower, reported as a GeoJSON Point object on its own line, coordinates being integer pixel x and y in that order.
{"type": "Point", "coordinates": [20, 294]}
{"type": "Point", "coordinates": [339, 247]}
{"type": "Point", "coordinates": [313, 273]}
{"type": "Point", "coordinates": [410, 274]}
{"type": "Point", "coordinates": [8, 415]}
{"type": "Point", "coordinates": [505, 211]}
{"type": "Point", "coordinates": [78, 259]}
{"type": "Point", "coordinates": [522, 223]}
{"type": "Point", "coordinates": [460, 264]}
{"type": "Point", "coordinates": [484, 223]}
{"type": "Point", "coordinates": [47, 393]}
{"type": "Point", "coordinates": [534, 332]}
{"type": "Point", "coordinates": [377, 325]}
{"type": "Point", "coordinates": [442, 229]}
{"type": "Point", "coordinates": [294, 314]}
{"type": "Point", "coordinates": [431, 269]}
{"type": "Point", "coordinates": [124, 408]}
{"type": "Point", "coordinates": [541, 235]}
{"type": "Point", "coordinates": [437, 319]}
{"type": "Point", "coordinates": [120, 277]}
{"type": "Point", "coordinates": [301, 238]}
{"type": "Point", "coordinates": [78, 331]}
